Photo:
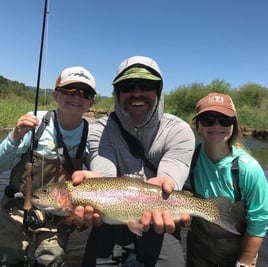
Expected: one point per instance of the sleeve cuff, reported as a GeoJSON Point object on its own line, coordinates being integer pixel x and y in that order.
{"type": "Point", "coordinates": [12, 142]}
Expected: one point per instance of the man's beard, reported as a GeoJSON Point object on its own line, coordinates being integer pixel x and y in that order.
{"type": "Point", "coordinates": [140, 118]}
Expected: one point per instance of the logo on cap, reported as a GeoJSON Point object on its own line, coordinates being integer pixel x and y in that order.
{"type": "Point", "coordinates": [80, 74]}
{"type": "Point", "coordinates": [217, 99]}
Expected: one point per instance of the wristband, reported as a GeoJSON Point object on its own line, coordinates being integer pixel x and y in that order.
{"type": "Point", "coordinates": [13, 143]}
{"type": "Point", "coordinates": [238, 264]}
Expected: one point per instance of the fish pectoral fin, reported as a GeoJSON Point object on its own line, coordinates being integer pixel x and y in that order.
{"type": "Point", "coordinates": [135, 227]}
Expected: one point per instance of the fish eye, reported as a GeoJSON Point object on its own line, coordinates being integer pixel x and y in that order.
{"type": "Point", "coordinates": [45, 190]}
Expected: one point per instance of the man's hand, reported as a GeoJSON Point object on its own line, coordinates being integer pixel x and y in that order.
{"type": "Point", "coordinates": [83, 216]}
{"type": "Point", "coordinates": [163, 221]}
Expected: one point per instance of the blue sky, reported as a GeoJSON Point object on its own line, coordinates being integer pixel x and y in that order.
{"type": "Point", "coordinates": [193, 41]}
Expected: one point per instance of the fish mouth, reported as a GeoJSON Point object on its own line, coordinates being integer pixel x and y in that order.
{"type": "Point", "coordinates": [35, 199]}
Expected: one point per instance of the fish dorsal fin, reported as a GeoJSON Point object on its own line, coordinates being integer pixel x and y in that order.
{"type": "Point", "coordinates": [135, 176]}
{"type": "Point", "coordinates": [187, 192]}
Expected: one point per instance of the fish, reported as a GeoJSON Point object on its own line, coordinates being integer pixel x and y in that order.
{"type": "Point", "coordinates": [123, 200]}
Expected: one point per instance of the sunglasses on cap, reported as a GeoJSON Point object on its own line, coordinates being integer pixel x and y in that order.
{"type": "Point", "coordinates": [128, 86]}
{"type": "Point", "coordinates": [210, 120]}
{"type": "Point", "coordinates": [83, 93]}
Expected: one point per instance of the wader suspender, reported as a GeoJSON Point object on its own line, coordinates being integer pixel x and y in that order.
{"type": "Point", "coordinates": [43, 125]}
{"type": "Point", "coordinates": [63, 154]}
{"type": "Point", "coordinates": [235, 173]}
{"type": "Point", "coordinates": [134, 145]}
{"type": "Point", "coordinates": [234, 170]}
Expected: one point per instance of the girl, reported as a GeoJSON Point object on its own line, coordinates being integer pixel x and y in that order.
{"type": "Point", "coordinates": [212, 176]}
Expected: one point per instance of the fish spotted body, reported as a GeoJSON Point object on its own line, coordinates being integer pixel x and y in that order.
{"type": "Point", "coordinates": [121, 200]}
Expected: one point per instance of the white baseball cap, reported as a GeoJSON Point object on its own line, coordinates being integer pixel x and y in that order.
{"type": "Point", "coordinates": [76, 75]}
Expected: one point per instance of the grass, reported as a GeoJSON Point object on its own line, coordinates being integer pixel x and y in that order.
{"type": "Point", "coordinates": [10, 111]}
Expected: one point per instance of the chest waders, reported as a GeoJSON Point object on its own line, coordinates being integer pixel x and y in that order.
{"type": "Point", "coordinates": [207, 241]}
{"type": "Point", "coordinates": [46, 169]}
{"type": "Point", "coordinates": [43, 242]}
{"type": "Point", "coordinates": [115, 245]}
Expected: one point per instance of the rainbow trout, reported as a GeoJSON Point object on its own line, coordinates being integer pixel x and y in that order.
{"type": "Point", "coordinates": [122, 200]}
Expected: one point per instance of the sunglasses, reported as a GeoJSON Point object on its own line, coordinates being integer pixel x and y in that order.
{"type": "Point", "coordinates": [210, 120]}
{"type": "Point", "coordinates": [130, 85]}
{"type": "Point", "coordinates": [83, 93]}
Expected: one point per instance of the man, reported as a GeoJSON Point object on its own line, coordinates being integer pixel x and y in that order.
{"type": "Point", "coordinates": [167, 142]}
{"type": "Point", "coordinates": [30, 239]}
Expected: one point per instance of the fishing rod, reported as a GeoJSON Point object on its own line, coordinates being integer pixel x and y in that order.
{"type": "Point", "coordinates": [29, 177]}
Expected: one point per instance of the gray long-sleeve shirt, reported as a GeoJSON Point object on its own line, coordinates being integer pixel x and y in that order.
{"type": "Point", "coordinates": [170, 150]}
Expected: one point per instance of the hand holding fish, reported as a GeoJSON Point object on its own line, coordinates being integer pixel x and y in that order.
{"type": "Point", "coordinates": [125, 200]}
{"type": "Point", "coordinates": [163, 221]}
{"type": "Point", "coordinates": [83, 216]}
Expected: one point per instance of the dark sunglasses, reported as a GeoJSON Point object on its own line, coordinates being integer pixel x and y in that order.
{"type": "Point", "coordinates": [210, 120]}
{"type": "Point", "coordinates": [130, 85]}
{"type": "Point", "coordinates": [83, 93]}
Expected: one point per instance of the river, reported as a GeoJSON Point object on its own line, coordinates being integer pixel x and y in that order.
{"type": "Point", "coordinates": [258, 148]}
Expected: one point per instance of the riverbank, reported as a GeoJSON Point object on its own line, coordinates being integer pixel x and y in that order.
{"type": "Point", "coordinates": [256, 133]}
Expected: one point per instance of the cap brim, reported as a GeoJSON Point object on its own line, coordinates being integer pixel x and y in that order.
{"type": "Point", "coordinates": [137, 73]}
{"type": "Point", "coordinates": [146, 77]}
{"type": "Point", "coordinates": [79, 85]}
{"type": "Point", "coordinates": [222, 110]}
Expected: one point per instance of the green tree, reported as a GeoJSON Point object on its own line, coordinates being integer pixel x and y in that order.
{"type": "Point", "coordinates": [252, 95]}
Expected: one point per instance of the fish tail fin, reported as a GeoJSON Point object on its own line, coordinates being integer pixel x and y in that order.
{"type": "Point", "coordinates": [224, 218]}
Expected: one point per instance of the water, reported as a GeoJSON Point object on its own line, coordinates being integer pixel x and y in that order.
{"type": "Point", "coordinates": [74, 254]}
